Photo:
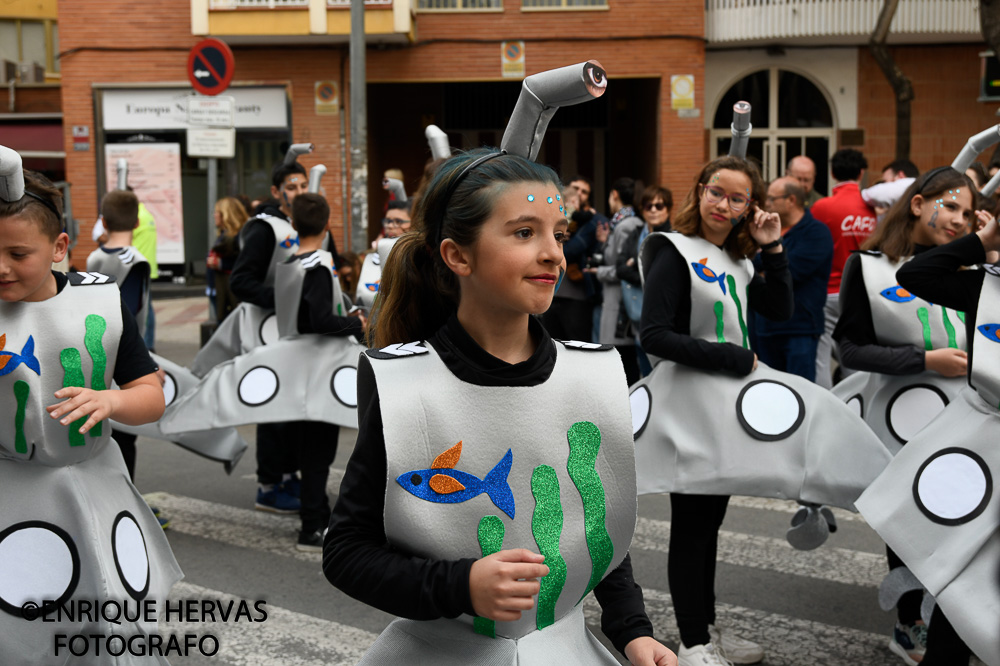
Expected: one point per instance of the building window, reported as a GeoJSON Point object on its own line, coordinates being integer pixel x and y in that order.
{"type": "Point", "coordinates": [458, 5]}
{"type": "Point", "coordinates": [564, 4]}
{"type": "Point", "coordinates": [30, 42]}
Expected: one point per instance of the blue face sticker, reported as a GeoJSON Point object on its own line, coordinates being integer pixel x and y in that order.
{"type": "Point", "coordinates": [897, 294]}
{"type": "Point", "coordinates": [531, 197]}
{"type": "Point", "coordinates": [990, 331]}
{"type": "Point", "coordinates": [550, 200]}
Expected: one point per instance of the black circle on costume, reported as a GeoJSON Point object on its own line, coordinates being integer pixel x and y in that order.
{"type": "Point", "coordinates": [649, 411]}
{"type": "Point", "coordinates": [138, 595]}
{"type": "Point", "coordinates": [333, 379]}
{"type": "Point", "coordinates": [260, 329]}
{"type": "Point", "coordinates": [861, 403]}
{"type": "Point", "coordinates": [74, 555]}
{"type": "Point", "coordinates": [897, 394]}
{"type": "Point", "coordinates": [415, 479]}
{"type": "Point", "coordinates": [976, 512]}
{"type": "Point", "coordinates": [753, 432]}
{"type": "Point", "coordinates": [277, 386]}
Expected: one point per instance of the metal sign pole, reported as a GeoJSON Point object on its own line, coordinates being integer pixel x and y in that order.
{"type": "Point", "coordinates": [213, 194]}
{"type": "Point", "coordinates": [359, 130]}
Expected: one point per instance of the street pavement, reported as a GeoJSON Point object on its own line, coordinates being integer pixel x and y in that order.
{"type": "Point", "coordinates": [816, 608]}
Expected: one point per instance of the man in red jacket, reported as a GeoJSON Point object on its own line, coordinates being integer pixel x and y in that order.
{"type": "Point", "coordinates": [851, 221]}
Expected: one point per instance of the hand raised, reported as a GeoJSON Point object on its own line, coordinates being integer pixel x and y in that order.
{"type": "Point", "coordinates": [765, 227]}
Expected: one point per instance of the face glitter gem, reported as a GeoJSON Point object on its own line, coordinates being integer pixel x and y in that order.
{"type": "Point", "coordinates": [560, 209]}
{"type": "Point", "coordinates": [531, 197]}
{"type": "Point", "coordinates": [558, 198]}
{"type": "Point", "coordinates": [550, 200]}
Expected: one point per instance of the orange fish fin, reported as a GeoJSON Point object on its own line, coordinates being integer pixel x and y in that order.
{"type": "Point", "coordinates": [444, 485]}
{"type": "Point", "coordinates": [902, 292]}
{"type": "Point", "coordinates": [3, 341]}
{"type": "Point", "coordinates": [449, 458]}
{"type": "Point", "coordinates": [703, 261]}
{"type": "Point", "coordinates": [3, 361]}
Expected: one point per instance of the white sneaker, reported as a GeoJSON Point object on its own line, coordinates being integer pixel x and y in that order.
{"type": "Point", "coordinates": [701, 655]}
{"type": "Point", "coordinates": [737, 650]}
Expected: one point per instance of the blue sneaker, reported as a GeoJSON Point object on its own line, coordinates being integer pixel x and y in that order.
{"type": "Point", "coordinates": [292, 486]}
{"type": "Point", "coordinates": [277, 501]}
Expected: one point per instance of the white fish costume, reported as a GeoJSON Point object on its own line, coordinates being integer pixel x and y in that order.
{"type": "Point", "coordinates": [297, 378]}
{"type": "Point", "coordinates": [897, 407]}
{"type": "Point", "coordinates": [72, 525]}
{"type": "Point", "coordinates": [371, 274]}
{"type": "Point", "coordinates": [769, 434]}
{"type": "Point", "coordinates": [936, 504]}
{"type": "Point", "coordinates": [464, 481]}
{"type": "Point", "coordinates": [249, 325]}
{"type": "Point", "coordinates": [120, 265]}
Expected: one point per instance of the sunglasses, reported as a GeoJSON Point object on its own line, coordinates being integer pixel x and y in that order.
{"type": "Point", "coordinates": [655, 206]}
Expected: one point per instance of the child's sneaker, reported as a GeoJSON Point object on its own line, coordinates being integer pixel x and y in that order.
{"type": "Point", "coordinates": [737, 650]}
{"type": "Point", "coordinates": [276, 501]}
{"type": "Point", "coordinates": [700, 655]}
{"type": "Point", "coordinates": [162, 520]}
{"type": "Point", "coordinates": [292, 486]}
{"type": "Point", "coordinates": [909, 641]}
{"type": "Point", "coordinates": [310, 542]}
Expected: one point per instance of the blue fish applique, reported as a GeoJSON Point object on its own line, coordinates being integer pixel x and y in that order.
{"type": "Point", "coordinates": [9, 360]}
{"type": "Point", "coordinates": [372, 286]}
{"type": "Point", "coordinates": [289, 242]}
{"type": "Point", "coordinates": [897, 294]}
{"type": "Point", "coordinates": [443, 484]}
{"type": "Point", "coordinates": [708, 275]}
{"type": "Point", "coordinates": [990, 331]}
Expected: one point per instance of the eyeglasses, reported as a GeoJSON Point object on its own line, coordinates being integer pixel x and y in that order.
{"type": "Point", "coordinates": [393, 222]}
{"type": "Point", "coordinates": [770, 198]}
{"type": "Point", "coordinates": [659, 205]}
{"type": "Point", "coordinates": [737, 202]}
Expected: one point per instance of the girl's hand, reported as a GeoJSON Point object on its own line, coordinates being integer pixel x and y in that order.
{"type": "Point", "coordinates": [947, 362]}
{"type": "Point", "coordinates": [754, 363]}
{"type": "Point", "coordinates": [988, 231]}
{"type": "Point", "coordinates": [647, 651]}
{"type": "Point", "coordinates": [765, 227]}
{"type": "Point", "coordinates": [81, 402]}
{"type": "Point", "coordinates": [504, 584]}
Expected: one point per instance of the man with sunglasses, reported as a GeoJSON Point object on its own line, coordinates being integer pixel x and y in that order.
{"type": "Point", "coordinates": [790, 345]}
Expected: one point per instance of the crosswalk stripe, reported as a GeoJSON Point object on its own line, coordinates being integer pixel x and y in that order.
{"type": "Point", "coordinates": [788, 506]}
{"type": "Point", "coordinates": [316, 642]}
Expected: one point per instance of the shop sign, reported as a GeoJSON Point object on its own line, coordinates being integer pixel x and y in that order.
{"type": "Point", "coordinates": [167, 108]}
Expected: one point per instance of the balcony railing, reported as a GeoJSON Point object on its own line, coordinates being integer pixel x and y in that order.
{"type": "Point", "coordinates": [368, 3]}
{"type": "Point", "coordinates": [458, 5]}
{"type": "Point", "coordinates": [850, 20]}
{"type": "Point", "coordinates": [257, 4]}
{"type": "Point", "coordinates": [564, 4]}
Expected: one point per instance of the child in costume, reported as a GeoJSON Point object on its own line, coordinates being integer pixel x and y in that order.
{"type": "Point", "coordinates": [72, 526]}
{"type": "Point", "coordinates": [709, 421]}
{"type": "Point", "coordinates": [309, 280]}
{"type": "Point", "coordinates": [935, 505]}
{"type": "Point", "coordinates": [471, 456]}
{"type": "Point", "coordinates": [913, 350]}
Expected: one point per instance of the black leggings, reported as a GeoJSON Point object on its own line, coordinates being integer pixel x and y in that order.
{"type": "Point", "coordinates": [695, 521]}
{"type": "Point", "coordinates": [126, 443]}
{"type": "Point", "coordinates": [944, 646]}
{"type": "Point", "coordinates": [908, 607]}
{"type": "Point", "coordinates": [317, 448]}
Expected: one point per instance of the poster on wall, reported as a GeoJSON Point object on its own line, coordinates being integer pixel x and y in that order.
{"type": "Point", "coordinates": [154, 172]}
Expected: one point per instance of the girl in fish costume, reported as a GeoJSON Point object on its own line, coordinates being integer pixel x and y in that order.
{"type": "Point", "coordinates": [913, 351]}
{"type": "Point", "coordinates": [710, 421]}
{"type": "Point", "coordinates": [492, 484]}
{"type": "Point", "coordinates": [72, 525]}
{"type": "Point", "coordinates": [936, 504]}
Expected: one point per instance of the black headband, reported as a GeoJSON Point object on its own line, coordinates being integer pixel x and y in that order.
{"type": "Point", "coordinates": [45, 202]}
{"type": "Point", "coordinates": [451, 190]}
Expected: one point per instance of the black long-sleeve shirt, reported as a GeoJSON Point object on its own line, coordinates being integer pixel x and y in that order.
{"type": "Point", "coordinates": [855, 331]}
{"type": "Point", "coordinates": [247, 281]}
{"type": "Point", "coordinates": [666, 312]}
{"type": "Point", "coordinates": [316, 308]}
{"type": "Point", "coordinates": [936, 276]}
{"type": "Point", "coordinates": [358, 559]}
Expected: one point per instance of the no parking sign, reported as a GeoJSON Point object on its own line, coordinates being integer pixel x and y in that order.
{"type": "Point", "coordinates": [210, 66]}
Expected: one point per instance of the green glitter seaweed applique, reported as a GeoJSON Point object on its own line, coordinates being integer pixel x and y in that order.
{"type": "Point", "coordinates": [739, 309]}
{"type": "Point", "coordinates": [584, 444]}
{"type": "Point", "coordinates": [961, 315]}
{"type": "Point", "coordinates": [952, 342]}
{"type": "Point", "coordinates": [93, 341]}
{"type": "Point", "coordinates": [925, 322]}
{"type": "Point", "coordinates": [21, 391]}
{"type": "Point", "coordinates": [546, 527]}
{"type": "Point", "coordinates": [491, 532]}
{"type": "Point", "coordinates": [720, 324]}
{"type": "Point", "coordinates": [73, 376]}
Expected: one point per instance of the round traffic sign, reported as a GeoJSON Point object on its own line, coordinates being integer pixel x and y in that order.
{"type": "Point", "coordinates": [210, 66]}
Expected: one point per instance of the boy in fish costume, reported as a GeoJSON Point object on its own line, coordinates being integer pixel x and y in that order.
{"type": "Point", "coordinates": [72, 525]}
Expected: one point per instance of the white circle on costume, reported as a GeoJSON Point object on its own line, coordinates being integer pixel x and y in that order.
{"type": "Point", "coordinates": [169, 389]}
{"type": "Point", "coordinates": [130, 554]}
{"type": "Point", "coordinates": [952, 485]}
{"type": "Point", "coordinates": [344, 385]}
{"type": "Point", "coordinates": [37, 566]}
{"type": "Point", "coordinates": [770, 408]}
{"type": "Point", "coordinates": [856, 403]}
{"type": "Point", "coordinates": [269, 329]}
{"type": "Point", "coordinates": [641, 404]}
{"type": "Point", "coordinates": [258, 386]}
{"type": "Point", "coordinates": [912, 409]}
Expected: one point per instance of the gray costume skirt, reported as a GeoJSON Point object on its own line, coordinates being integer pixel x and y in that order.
{"type": "Point", "coordinates": [453, 643]}
{"type": "Point", "coordinates": [77, 533]}
{"type": "Point", "coordinates": [936, 506]}
{"type": "Point", "coordinates": [769, 434]}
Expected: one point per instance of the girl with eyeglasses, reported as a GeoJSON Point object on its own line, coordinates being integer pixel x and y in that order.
{"type": "Point", "coordinates": [935, 505]}
{"type": "Point", "coordinates": [913, 350]}
{"type": "Point", "coordinates": [709, 421]}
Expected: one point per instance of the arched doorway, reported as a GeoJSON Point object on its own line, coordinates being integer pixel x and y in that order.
{"type": "Point", "coordinates": [790, 116]}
